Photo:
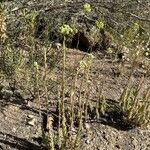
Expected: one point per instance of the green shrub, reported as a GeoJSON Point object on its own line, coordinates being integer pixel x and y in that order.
{"type": "Point", "coordinates": [134, 106]}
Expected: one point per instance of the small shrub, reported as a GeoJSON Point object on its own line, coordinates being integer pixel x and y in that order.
{"type": "Point", "coordinates": [133, 106]}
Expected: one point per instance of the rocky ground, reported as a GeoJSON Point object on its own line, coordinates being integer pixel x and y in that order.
{"type": "Point", "coordinates": [21, 123]}
{"type": "Point", "coordinates": [22, 118]}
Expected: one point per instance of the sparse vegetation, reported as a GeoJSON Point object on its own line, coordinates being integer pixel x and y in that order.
{"type": "Point", "coordinates": [134, 107]}
{"type": "Point", "coordinates": [35, 60]}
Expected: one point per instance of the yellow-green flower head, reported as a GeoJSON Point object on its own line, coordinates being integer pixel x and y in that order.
{"type": "Point", "coordinates": [87, 8]}
{"type": "Point", "coordinates": [147, 54]}
{"type": "Point", "coordinates": [137, 53]}
{"type": "Point", "coordinates": [75, 30]}
{"type": "Point", "coordinates": [90, 56]}
{"type": "Point", "coordinates": [99, 24]}
{"type": "Point", "coordinates": [36, 65]}
{"type": "Point", "coordinates": [136, 26]}
{"type": "Point", "coordinates": [83, 64]}
{"type": "Point", "coordinates": [66, 29]}
{"type": "Point", "coordinates": [109, 50]}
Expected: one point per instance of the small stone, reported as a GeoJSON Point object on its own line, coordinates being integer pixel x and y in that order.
{"type": "Point", "coordinates": [32, 122]}
{"type": "Point", "coordinates": [6, 94]}
{"type": "Point", "coordinates": [87, 141]}
{"type": "Point", "coordinates": [17, 93]}
{"type": "Point", "coordinates": [14, 129]}
{"type": "Point", "coordinates": [57, 45]}
{"type": "Point", "coordinates": [30, 116]}
{"type": "Point", "coordinates": [87, 126]}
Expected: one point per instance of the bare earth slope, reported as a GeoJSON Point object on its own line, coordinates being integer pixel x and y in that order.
{"type": "Point", "coordinates": [17, 133]}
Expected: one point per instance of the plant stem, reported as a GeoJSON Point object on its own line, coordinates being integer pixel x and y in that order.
{"type": "Point", "coordinates": [63, 86]}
